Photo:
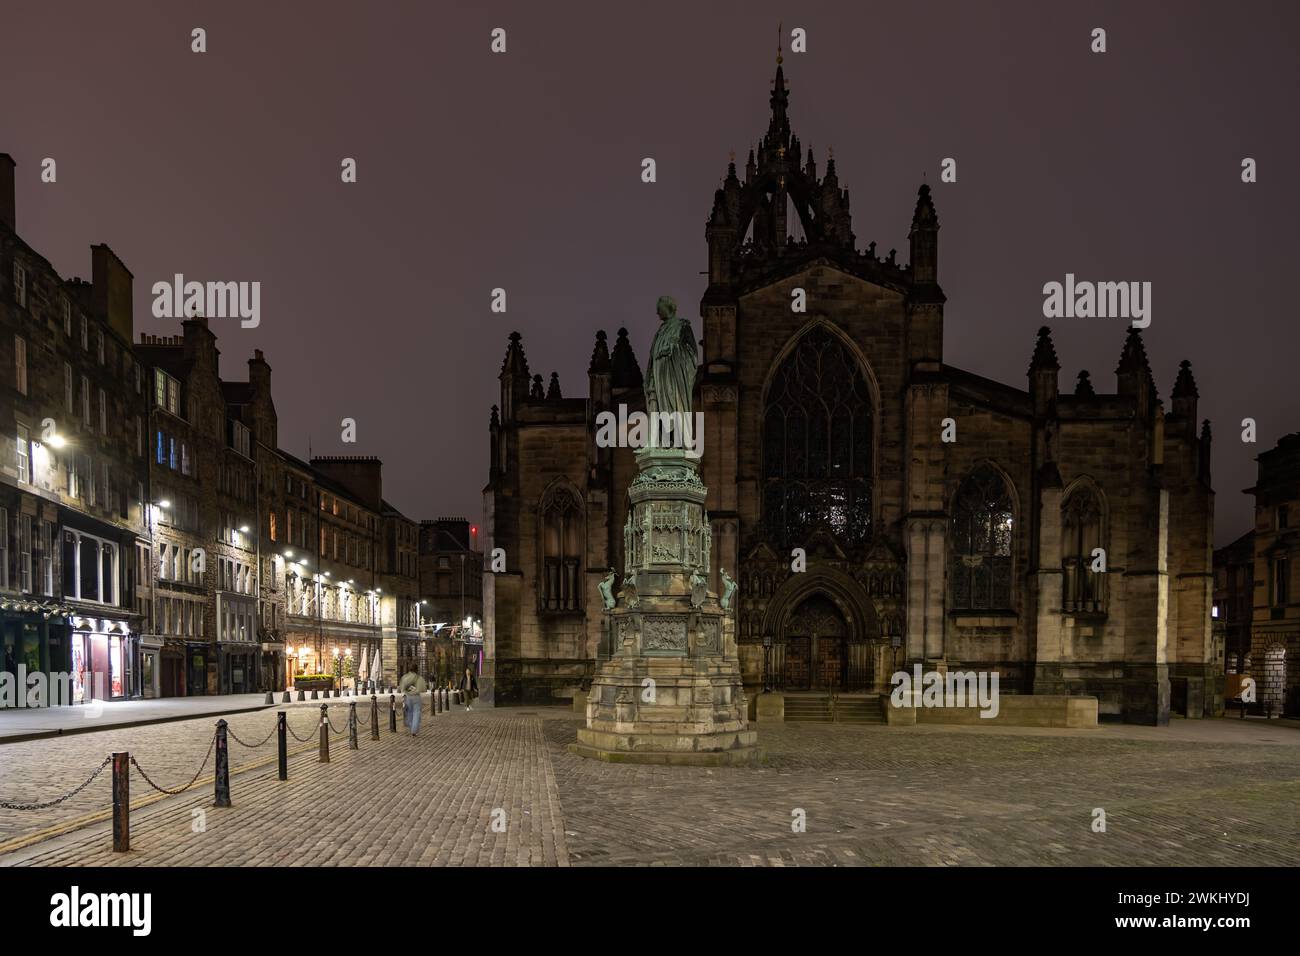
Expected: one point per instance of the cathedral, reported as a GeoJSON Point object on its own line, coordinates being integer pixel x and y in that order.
{"type": "Point", "coordinates": [876, 507]}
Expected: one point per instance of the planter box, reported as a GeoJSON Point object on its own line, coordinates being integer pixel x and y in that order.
{"type": "Point", "coordinates": [320, 683]}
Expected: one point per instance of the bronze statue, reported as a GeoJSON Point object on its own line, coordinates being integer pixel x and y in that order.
{"type": "Point", "coordinates": [670, 372]}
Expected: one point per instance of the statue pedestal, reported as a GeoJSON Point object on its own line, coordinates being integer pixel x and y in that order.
{"type": "Point", "coordinates": [671, 693]}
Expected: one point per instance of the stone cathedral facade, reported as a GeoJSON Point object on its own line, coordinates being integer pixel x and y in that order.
{"type": "Point", "coordinates": [824, 438]}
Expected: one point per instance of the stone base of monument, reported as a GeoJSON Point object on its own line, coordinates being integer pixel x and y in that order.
{"type": "Point", "coordinates": [671, 691]}
{"type": "Point", "coordinates": [668, 711]}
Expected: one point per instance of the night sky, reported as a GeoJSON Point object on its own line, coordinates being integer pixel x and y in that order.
{"type": "Point", "coordinates": [522, 171]}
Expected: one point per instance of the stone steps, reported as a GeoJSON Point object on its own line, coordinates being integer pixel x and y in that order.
{"type": "Point", "coordinates": [813, 708]}
{"type": "Point", "coordinates": [859, 710]}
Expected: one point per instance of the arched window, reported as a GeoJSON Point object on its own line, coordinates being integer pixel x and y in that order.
{"type": "Point", "coordinates": [561, 548]}
{"type": "Point", "coordinates": [817, 445]}
{"type": "Point", "coordinates": [983, 519]}
{"type": "Point", "coordinates": [1083, 589]}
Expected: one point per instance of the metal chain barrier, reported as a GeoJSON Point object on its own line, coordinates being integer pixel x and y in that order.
{"type": "Point", "coordinates": [137, 766]}
{"type": "Point", "coordinates": [235, 737]}
{"type": "Point", "coordinates": [6, 805]}
{"type": "Point", "coordinates": [336, 733]}
{"type": "Point", "coordinates": [294, 733]}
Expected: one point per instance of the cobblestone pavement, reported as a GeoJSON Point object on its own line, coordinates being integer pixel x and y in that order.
{"type": "Point", "coordinates": [1199, 792]}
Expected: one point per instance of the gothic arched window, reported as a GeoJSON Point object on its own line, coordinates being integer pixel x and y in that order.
{"type": "Point", "coordinates": [983, 519]}
{"type": "Point", "coordinates": [817, 445]}
{"type": "Point", "coordinates": [1083, 589]}
{"type": "Point", "coordinates": [561, 549]}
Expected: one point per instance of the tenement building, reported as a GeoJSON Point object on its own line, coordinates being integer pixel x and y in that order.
{"type": "Point", "coordinates": [878, 507]}
{"type": "Point", "coordinates": [72, 476]}
{"type": "Point", "coordinates": [1274, 632]}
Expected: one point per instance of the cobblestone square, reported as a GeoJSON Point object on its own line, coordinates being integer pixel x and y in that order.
{"type": "Point", "coordinates": [498, 787]}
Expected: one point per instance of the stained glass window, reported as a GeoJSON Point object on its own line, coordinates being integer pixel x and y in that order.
{"type": "Point", "coordinates": [983, 523]}
{"type": "Point", "coordinates": [817, 445]}
{"type": "Point", "coordinates": [562, 539]}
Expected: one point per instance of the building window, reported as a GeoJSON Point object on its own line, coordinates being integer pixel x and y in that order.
{"type": "Point", "coordinates": [983, 521]}
{"type": "Point", "coordinates": [103, 413]}
{"type": "Point", "coordinates": [69, 399]}
{"type": "Point", "coordinates": [73, 484]}
{"type": "Point", "coordinates": [24, 447]}
{"type": "Point", "coordinates": [85, 334]}
{"type": "Point", "coordinates": [562, 541]}
{"type": "Point", "coordinates": [1083, 588]}
{"type": "Point", "coordinates": [167, 392]}
{"type": "Point", "coordinates": [1281, 583]}
{"type": "Point", "coordinates": [171, 452]}
{"type": "Point", "coordinates": [1283, 517]}
{"type": "Point", "coordinates": [20, 363]}
{"type": "Point", "coordinates": [67, 316]}
{"type": "Point", "coordinates": [20, 284]}
{"type": "Point", "coordinates": [90, 568]}
{"type": "Point", "coordinates": [85, 401]}
{"type": "Point", "coordinates": [99, 345]}
{"type": "Point", "coordinates": [25, 553]}
{"type": "Point", "coordinates": [4, 548]}
{"type": "Point", "coordinates": [185, 459]}
{"type": "Point", "coordinates": [817, 444]}
{"type": "Point", "coordinates": [47, 558]}
{"type": "Point", "coordinates": [139, 437]}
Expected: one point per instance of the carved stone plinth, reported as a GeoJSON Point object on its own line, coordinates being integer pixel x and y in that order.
{"type": "Point", "coordinates": [671, 691]}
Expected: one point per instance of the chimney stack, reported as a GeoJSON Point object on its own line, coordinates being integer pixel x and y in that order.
{"type": "Point", "coordinates": [7, 208]}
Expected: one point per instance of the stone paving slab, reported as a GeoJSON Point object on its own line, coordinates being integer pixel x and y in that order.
{"type": "Point", "coordinates": [1208, 793]}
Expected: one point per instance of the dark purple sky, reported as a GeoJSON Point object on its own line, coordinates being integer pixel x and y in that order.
{"type": "Point", "coordinates": [522, 170]}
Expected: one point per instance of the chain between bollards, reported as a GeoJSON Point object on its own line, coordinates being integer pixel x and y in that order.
{"type": "Point", "coordinates": [352, 726]}
{"type": "Point", "coordinates": [324, 734]}
{"type": "Point", "coordinates": [221, 782]}
{"type": "Point", "coordinates": [121, 802]}
{"type": "Point", "coordinates": [282, 725]}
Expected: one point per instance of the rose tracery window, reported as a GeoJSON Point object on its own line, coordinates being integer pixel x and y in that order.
{"type": "Point", "coordinates": [817, 445]}
{"type": "Point", "coordinates": [983, 518]}
{"type": "Point", "coordinates": [562, 539]}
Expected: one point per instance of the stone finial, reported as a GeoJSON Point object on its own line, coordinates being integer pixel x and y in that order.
{"type": "Point", "coordinates": [1083, 387]}
{"type": "Point", "coordinates": [1185, 384]}
{"type": "Point", "coordinates": [537, 390]}
{"type": "Point", "coordinates": [599, 356]}
{"type": "Point", "coordinates": [1044, 358]}
{"type": "Point", "coordinates": [625, 372]}
{"type": "Point", "coordinates": [553, 393]}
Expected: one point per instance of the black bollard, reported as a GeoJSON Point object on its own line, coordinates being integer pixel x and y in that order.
{"type": "Point", "coordinates": [437, 701]}
{"type": "Point", "coordinates": [270, 698]}
{"type": "Point", "coordinates": [282, 725]}
{"type": "Point", "coordinates": [392, 714]}
{"type": "Point", "coordinates": [285, 698]}
{"type": "Point", "coordinates": [374, 717]}
{"type": "Point", "coordinates": [221, 783]}
{"type": "Point", "coordinates": [300, 694]}
{"type": "Point", "coordinates": [352, 726]}
{"type": "Point", "coordinates": [121, 802]}
{"type": "Point", "coordinates": [315, 693]}
{"type": "Point", "coordinates": [324, 734]}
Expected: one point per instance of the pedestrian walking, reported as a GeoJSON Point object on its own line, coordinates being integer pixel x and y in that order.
{"type": "Point", "coordinates": [411, 685]}
{"type": "Point", "coordinates": [469, 685]}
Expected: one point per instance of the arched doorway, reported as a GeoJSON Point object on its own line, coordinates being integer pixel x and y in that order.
{"type": "Point", "coordinates": [816, 641]}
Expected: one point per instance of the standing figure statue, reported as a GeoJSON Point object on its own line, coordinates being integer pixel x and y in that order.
{"type": "Point", "coordinates": [728, 589]}
{"type": "Point", "coordinates": [606, 588]}
{"type": "Point", "coordinates": [670, 372]}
